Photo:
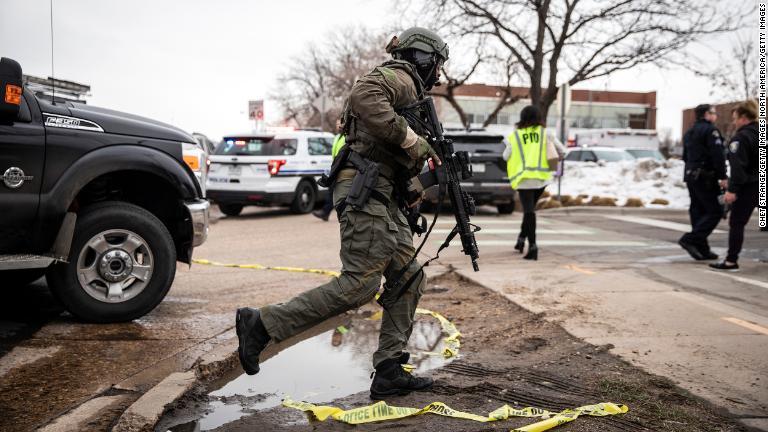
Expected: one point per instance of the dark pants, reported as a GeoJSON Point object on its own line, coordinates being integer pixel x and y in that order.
{"type": "Point", "coordinates": [741, 210]}
{"type": "Point", "coordinates": [705, 212]}
{"type": "Point", "coordinates": [528, 199]}
{"type": "Point", "coordinates": [328, 206]}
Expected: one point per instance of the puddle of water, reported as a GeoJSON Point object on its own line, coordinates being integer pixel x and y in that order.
{"type": "Point", "coordinates": [325, 367]}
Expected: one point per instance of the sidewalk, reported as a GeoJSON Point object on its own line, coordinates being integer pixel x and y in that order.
{"type": "Point", "coordinates": [657, 316]}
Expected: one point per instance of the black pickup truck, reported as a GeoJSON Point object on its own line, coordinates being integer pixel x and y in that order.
{"type": "Point", "coordinates": [101, 202]}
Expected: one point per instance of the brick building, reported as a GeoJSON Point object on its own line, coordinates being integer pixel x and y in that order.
{"type": "Point", "coordinates": [590, 109]}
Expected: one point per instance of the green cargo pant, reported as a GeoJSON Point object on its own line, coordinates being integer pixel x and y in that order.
{"type": "Point", "coordinates": [375, 241]}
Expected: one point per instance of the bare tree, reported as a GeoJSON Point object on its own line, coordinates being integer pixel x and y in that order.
{"type": "Point", "coordinates": [577, 40]}
{"type": "Point", "coordinates": [447, 90]}
{"type": "Point", "coordinates": [734, 76]}
{"type": "Point", "coordinates": [329, 67]}
{"type": "Point", "coordinates": [510, 70]}
{"type": "Point", "coordinates": [475, 58]}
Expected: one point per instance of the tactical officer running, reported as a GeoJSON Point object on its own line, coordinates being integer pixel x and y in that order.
{"type": "Point", "coordinates": [705, 174]}
{"type": "Point", "coordinates": [376, 239]}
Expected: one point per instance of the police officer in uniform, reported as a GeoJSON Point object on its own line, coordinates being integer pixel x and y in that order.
{"type": "Point", "coordinates": [376, 240]}
{"type": "Point", "coordinates": [705, 174]}
{"type": "Point", "coordinates": [743, 184]}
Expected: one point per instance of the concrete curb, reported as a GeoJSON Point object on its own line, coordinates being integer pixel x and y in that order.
{"type": "Point", "coordinates": [219, 360]}
{"type": "Point", "coordinates": [143, 414]}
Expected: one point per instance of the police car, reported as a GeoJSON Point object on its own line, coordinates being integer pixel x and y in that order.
{"type": "Point", "coordinates": [597, 154]}
{"type": "Point", "coordinates": [279, 167]}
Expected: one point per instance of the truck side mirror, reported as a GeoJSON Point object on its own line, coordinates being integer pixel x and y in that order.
{"type": "Point", "coordinates": [10, 89]}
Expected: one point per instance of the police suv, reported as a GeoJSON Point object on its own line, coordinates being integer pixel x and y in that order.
{"type": "Point", "coordinates": [101, 202]}
{"type": "Point", "coordinates": [279, 167]}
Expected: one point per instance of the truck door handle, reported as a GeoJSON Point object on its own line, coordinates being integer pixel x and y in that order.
{"type": "Point", "coordinates": [314, 162]}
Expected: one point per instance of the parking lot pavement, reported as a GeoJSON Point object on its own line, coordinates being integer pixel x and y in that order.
{"type": "Point", "coordinates": [608, 280]}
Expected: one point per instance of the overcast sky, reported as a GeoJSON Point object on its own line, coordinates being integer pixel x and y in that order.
{"type": "Point", "coordinates": [195, 64]}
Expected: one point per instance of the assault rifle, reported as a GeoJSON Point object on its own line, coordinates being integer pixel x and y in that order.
{"type": "Point", "coordinates": [456, 166]}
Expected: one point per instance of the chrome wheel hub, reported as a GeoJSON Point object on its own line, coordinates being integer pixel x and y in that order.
{"type": "Point", "coordinates": [115, 265]}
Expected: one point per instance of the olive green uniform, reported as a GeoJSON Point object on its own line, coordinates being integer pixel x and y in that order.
{"type": "Point", "coordinates": [375, 240]}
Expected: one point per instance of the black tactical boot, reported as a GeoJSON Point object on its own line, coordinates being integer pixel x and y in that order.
{"type": "Point", "coordinates": [520, 245]}
{"type": "Point", "coordinates": [252, 337]}
{"type": "Point", "coordinates": [533, 252]}
{"type": "Point", "coordinates": [391, 379]}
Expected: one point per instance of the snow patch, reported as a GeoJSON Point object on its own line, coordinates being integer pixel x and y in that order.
{"type": "Point", "coordinates": [647, 179]}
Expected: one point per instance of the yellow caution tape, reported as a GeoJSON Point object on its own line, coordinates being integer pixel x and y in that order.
{"type": "Point", "coordinates": [452, 343]}
{"type": "Point", "coordinates": [380, 411]}
{"type": "Point", "coordinates": [263, 267]}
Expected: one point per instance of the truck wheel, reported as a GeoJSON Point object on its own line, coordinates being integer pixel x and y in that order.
{"type": "Point", "coordinates": [20, 278]}
{"type": "Point", "coordinates": [304, 200]}
{"type": "Point", "coordinates": [121, 264]}
{"type": "Point", "coordinates": [507, 208]}
{"type": "Point", "coordinates": [231, 209]}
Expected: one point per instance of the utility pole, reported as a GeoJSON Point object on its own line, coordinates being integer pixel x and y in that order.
{"type": "Point", "coordinates": [563, 102]}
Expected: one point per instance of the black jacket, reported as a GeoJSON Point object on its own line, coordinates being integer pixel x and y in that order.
{"type": "Point", "coordinates": [742, 155]}
{"type": "Point", "coordinates": [703, 150]}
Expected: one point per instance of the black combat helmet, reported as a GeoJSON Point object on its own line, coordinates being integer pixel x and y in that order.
{"type": "Point", "coordinates": [424, 49]}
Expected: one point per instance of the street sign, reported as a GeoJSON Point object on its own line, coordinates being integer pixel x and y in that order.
{"type": "Point", "coordinates": [321, 103]}
{"type": "Point", "coordinates": [256, 110]}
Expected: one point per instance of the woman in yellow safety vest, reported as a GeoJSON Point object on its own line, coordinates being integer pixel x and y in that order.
{"type": "Point", "coordinates": [528, 171]}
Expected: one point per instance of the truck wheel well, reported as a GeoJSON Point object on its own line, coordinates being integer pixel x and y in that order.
{"type": "Point", "coordinates": [146, 190]}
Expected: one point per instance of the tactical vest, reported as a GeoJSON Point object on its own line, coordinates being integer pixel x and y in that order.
{"type": "Point", "coordinates": [528, 159]}
{"type": "Point", "coordinates": [393, 162]}
{"type": "Point", "coordinates": [338, 143]}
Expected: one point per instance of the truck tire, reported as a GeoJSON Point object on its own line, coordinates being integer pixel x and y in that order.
{"type": "Point", "coordinates": [231, 209]}
{"type": "Point", "coordinates": [305, 197]}
{"type": "Point", "coordinates": [507, 208]}
{"type": "Point", "coordinates": [121, 264]}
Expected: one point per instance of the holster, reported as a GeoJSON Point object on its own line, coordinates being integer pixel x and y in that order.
{"type": "Point", "coordinates": [364, 182]}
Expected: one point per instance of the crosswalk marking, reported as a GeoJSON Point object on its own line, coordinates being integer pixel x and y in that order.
{"type": "Point", "coordinates": [674, 226]}
{"type": "Point", "coordinates": [580, 243]}
{"type": "Point", "coordinates": [483, 222]}
{"type": "Point", "coordinates": [517, 231]}
{"type": "Point", "coordinates": [748, 281]}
